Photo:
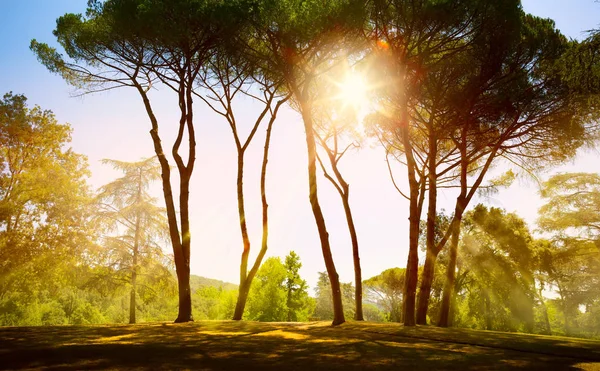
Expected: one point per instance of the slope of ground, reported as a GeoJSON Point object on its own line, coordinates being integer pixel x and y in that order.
{"type": "Point", "coordinates": [227, 345]}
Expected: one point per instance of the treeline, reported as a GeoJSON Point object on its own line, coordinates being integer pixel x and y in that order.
{"type": "Point", "coordinates": [455, 88]}
{"type": "Point", "coordinates": [74, 256]}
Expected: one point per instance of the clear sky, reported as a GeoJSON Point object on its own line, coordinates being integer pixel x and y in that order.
{"type": "Point", "coordinates": [114, 125]}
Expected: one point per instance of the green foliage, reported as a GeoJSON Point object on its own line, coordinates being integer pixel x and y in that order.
{"type": "Point", "coordinates": [278, 293]}
{"type": "Point", "coordinates": [497, 252]}
{"type": "Point", "coordinates": [267, 300]}
{"type": "Point", "coordinates": [214, 303]}
{"type": "Point", "coordinates": [299, 306]}
{"type": "Point", "coordinates": [386, 292]}
{"type": "Point", "coordinates": [44, 209]}
{"type": "Point", "coordinates": [573, 205]}
{"type": "Point", "coordinates": [323, 299]}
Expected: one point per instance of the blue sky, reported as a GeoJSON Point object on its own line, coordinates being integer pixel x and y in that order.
{"type": "Point", "coordinates": [114, 125]}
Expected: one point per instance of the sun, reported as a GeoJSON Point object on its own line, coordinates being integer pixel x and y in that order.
{"type": "Point", "coordinates": [353, 91]}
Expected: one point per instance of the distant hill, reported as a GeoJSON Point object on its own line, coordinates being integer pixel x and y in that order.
{"type": "Point", "coordinates": [197, 282]}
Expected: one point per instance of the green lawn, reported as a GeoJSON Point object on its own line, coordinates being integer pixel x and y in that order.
{"type": "Point", "coordinates": [227, 345]}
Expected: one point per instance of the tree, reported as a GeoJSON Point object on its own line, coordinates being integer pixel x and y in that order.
{"type": "Point", "coordinates": [223, 78]}
{"type": "Point", "coordinates": [573, 205]}
{"type": "Point", "coordinates": [570, 261]}
{"type": "Point", "coordinates": [323, 308]}
{"type": "Point", "coordinates": [336, 132]}
{"type": "Point", "coordinates": [138, 225]}
{"type": "Point", "coordinates": [113, 47]}
{"type": "Point", "coordinates": [45, 234]}
{"type": "Point", "coordinates": [267, 300]}
{"type": "Point", "coordinates": [431, 33]}
{"type": "Point", "coordinates": [498, 254]}
{"type": "Point", "coordinates": [298, 301]}
{"type": "Point", "coordinates": [386, 290]}
{"type": "Point", "coordinates": [294, 39]}
{"type": "Point", "coordinates": [496, 123]}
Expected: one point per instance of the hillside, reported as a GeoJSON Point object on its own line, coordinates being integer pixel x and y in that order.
{"type": "Point", "coordinates": [198, 281]}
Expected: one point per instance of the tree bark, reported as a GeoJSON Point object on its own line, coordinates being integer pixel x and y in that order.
{"type": "Point", "coordinates": [432, 251]}
{"type": "Point", "coordinates": [183, 272]}
{"type": "Point", "coordinates": [427, 277]}
{"type": "Point", "coordinates": [358, 315]}
{"type": "Point", "coordinates": [136, 246]}
{"type": "Point", "coordinates": [445, 319]}
{"type": "Point", "coordinates": [412, 264]}
{"type": "Point", "coordinates": [338, 310]}
{"type": "Point", "coordinates": [241, 302]}
{"type": "Point", "coordinates": [488, 311]}
{"type": "Point", "coordinates": [246, 277]}
{"type": "Point", "coordinates": [343, 189]}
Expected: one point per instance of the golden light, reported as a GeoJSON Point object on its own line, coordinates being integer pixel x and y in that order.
{"type": "Point", "coordinates": [353, 91]}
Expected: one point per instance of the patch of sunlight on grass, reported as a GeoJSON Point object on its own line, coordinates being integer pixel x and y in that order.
{"type": "Point", "coordinates": [330, 340]}
{"type": "Point", "coordinates": [224, 333]}
{"type": "Point", "coordinates": [107, 339]}
{"type": "Point", "coordinates": [118, 338]}
{"type": "Point", "coordinates": [228, 354]}
{"type": "Point", "coordinates": [284, 335]}
{"type": "Point", "coordinates": [594, 366]}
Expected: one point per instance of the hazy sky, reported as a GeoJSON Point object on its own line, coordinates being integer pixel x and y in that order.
{"type": "Point", "coordinates": [114, 125]}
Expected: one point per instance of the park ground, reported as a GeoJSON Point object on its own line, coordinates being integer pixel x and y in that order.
{"type": "Point", "coordinates": [228, 345]}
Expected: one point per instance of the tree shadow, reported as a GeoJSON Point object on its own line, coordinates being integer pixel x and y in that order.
{"type": "Point", "coordinates": [228, 345]}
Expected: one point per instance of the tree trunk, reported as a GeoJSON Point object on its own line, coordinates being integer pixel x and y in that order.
{"type": "Point", "coordinates": [132, 295]}
{"type": "Point", "coordinates": [445, 319]}
{"type": "Point", "coordinates": [183, 272]}
{"type": "Point", "coordinates": [431, 248]}
{"type": "Point", "coordinates": [412, 264]}
{"type": "Point", "coordinates": [246, 279]}
{"type": "Point", "coordinates": [564, 310]}
{"type": "Point", "coordinates": [242, 296]}
{"type": "Point", "coordinates": [545, 310]}
{"type": "Point", "coordinates": [338, 310]}
{"type": "Point", "coordinates": [425, 288]}
{"type": "Point", "coordinates": [358, 315]}
{"type": "Point", "coordinates": [488, 311]}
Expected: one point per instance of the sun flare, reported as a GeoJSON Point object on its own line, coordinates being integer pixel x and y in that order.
{"type": "Point", "coordinates": [353, 91]}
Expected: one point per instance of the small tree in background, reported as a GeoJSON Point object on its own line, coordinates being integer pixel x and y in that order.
{"type": "Point", "coordinates": [137, 225]}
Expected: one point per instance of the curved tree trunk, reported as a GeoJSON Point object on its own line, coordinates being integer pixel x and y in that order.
{"type": "Point", "coordinates": [412, 264]}
{"type": "Point", "coordinates": [445, 320]}
{"type": "Point", "coordinates": [358, 315]}
{"type": "Point", "coordinates": [427, 277]}
{"type": "Point", "coordinates": [182, 268]}
{"type": "Point", "coordinates": [432, 250]}
{"type": "Point", "coordinates": [338, 309]}
{"type": "Point", "coordinates": [343, 189]}
{"type": "Point", "coordinates": [244, 285]}
{"type": "Point", "coordinates": [246, 276]}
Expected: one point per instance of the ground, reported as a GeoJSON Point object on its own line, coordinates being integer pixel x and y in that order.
{"type": "Point", "coordinates": [228, 345]}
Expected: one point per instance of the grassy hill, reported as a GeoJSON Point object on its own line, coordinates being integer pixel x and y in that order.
{"type": "Point", "coordinates": [198, 281]}
{"type": "Point", "coordinates": [228, 345]}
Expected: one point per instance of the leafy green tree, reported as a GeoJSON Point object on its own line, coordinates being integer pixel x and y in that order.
{"type": "Point", "coordinates": [323, 307]}
{"type": "Point", "coordinates": [385, 290]}
{"type": "Point", "coordinates": [45, 232]}
{"type": "Point", "coordinates": [298, 302]}
{"type": "Point", "coordinates": [267, 300]}
{"type": "Point", "coordinates": [136, 225]}
{"type": "Point", "coordinates": [573, 205]}
{"type": "Point", "coordinates": [570, 261]}
{"type": "Point", "coordinates": [499, 255]}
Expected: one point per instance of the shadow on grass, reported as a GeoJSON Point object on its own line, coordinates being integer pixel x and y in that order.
{"type": "Point", "coordinates": [229, 345]}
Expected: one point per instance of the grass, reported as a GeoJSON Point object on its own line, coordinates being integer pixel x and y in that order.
{"type": "Point", "coordinates": [228, 345]}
